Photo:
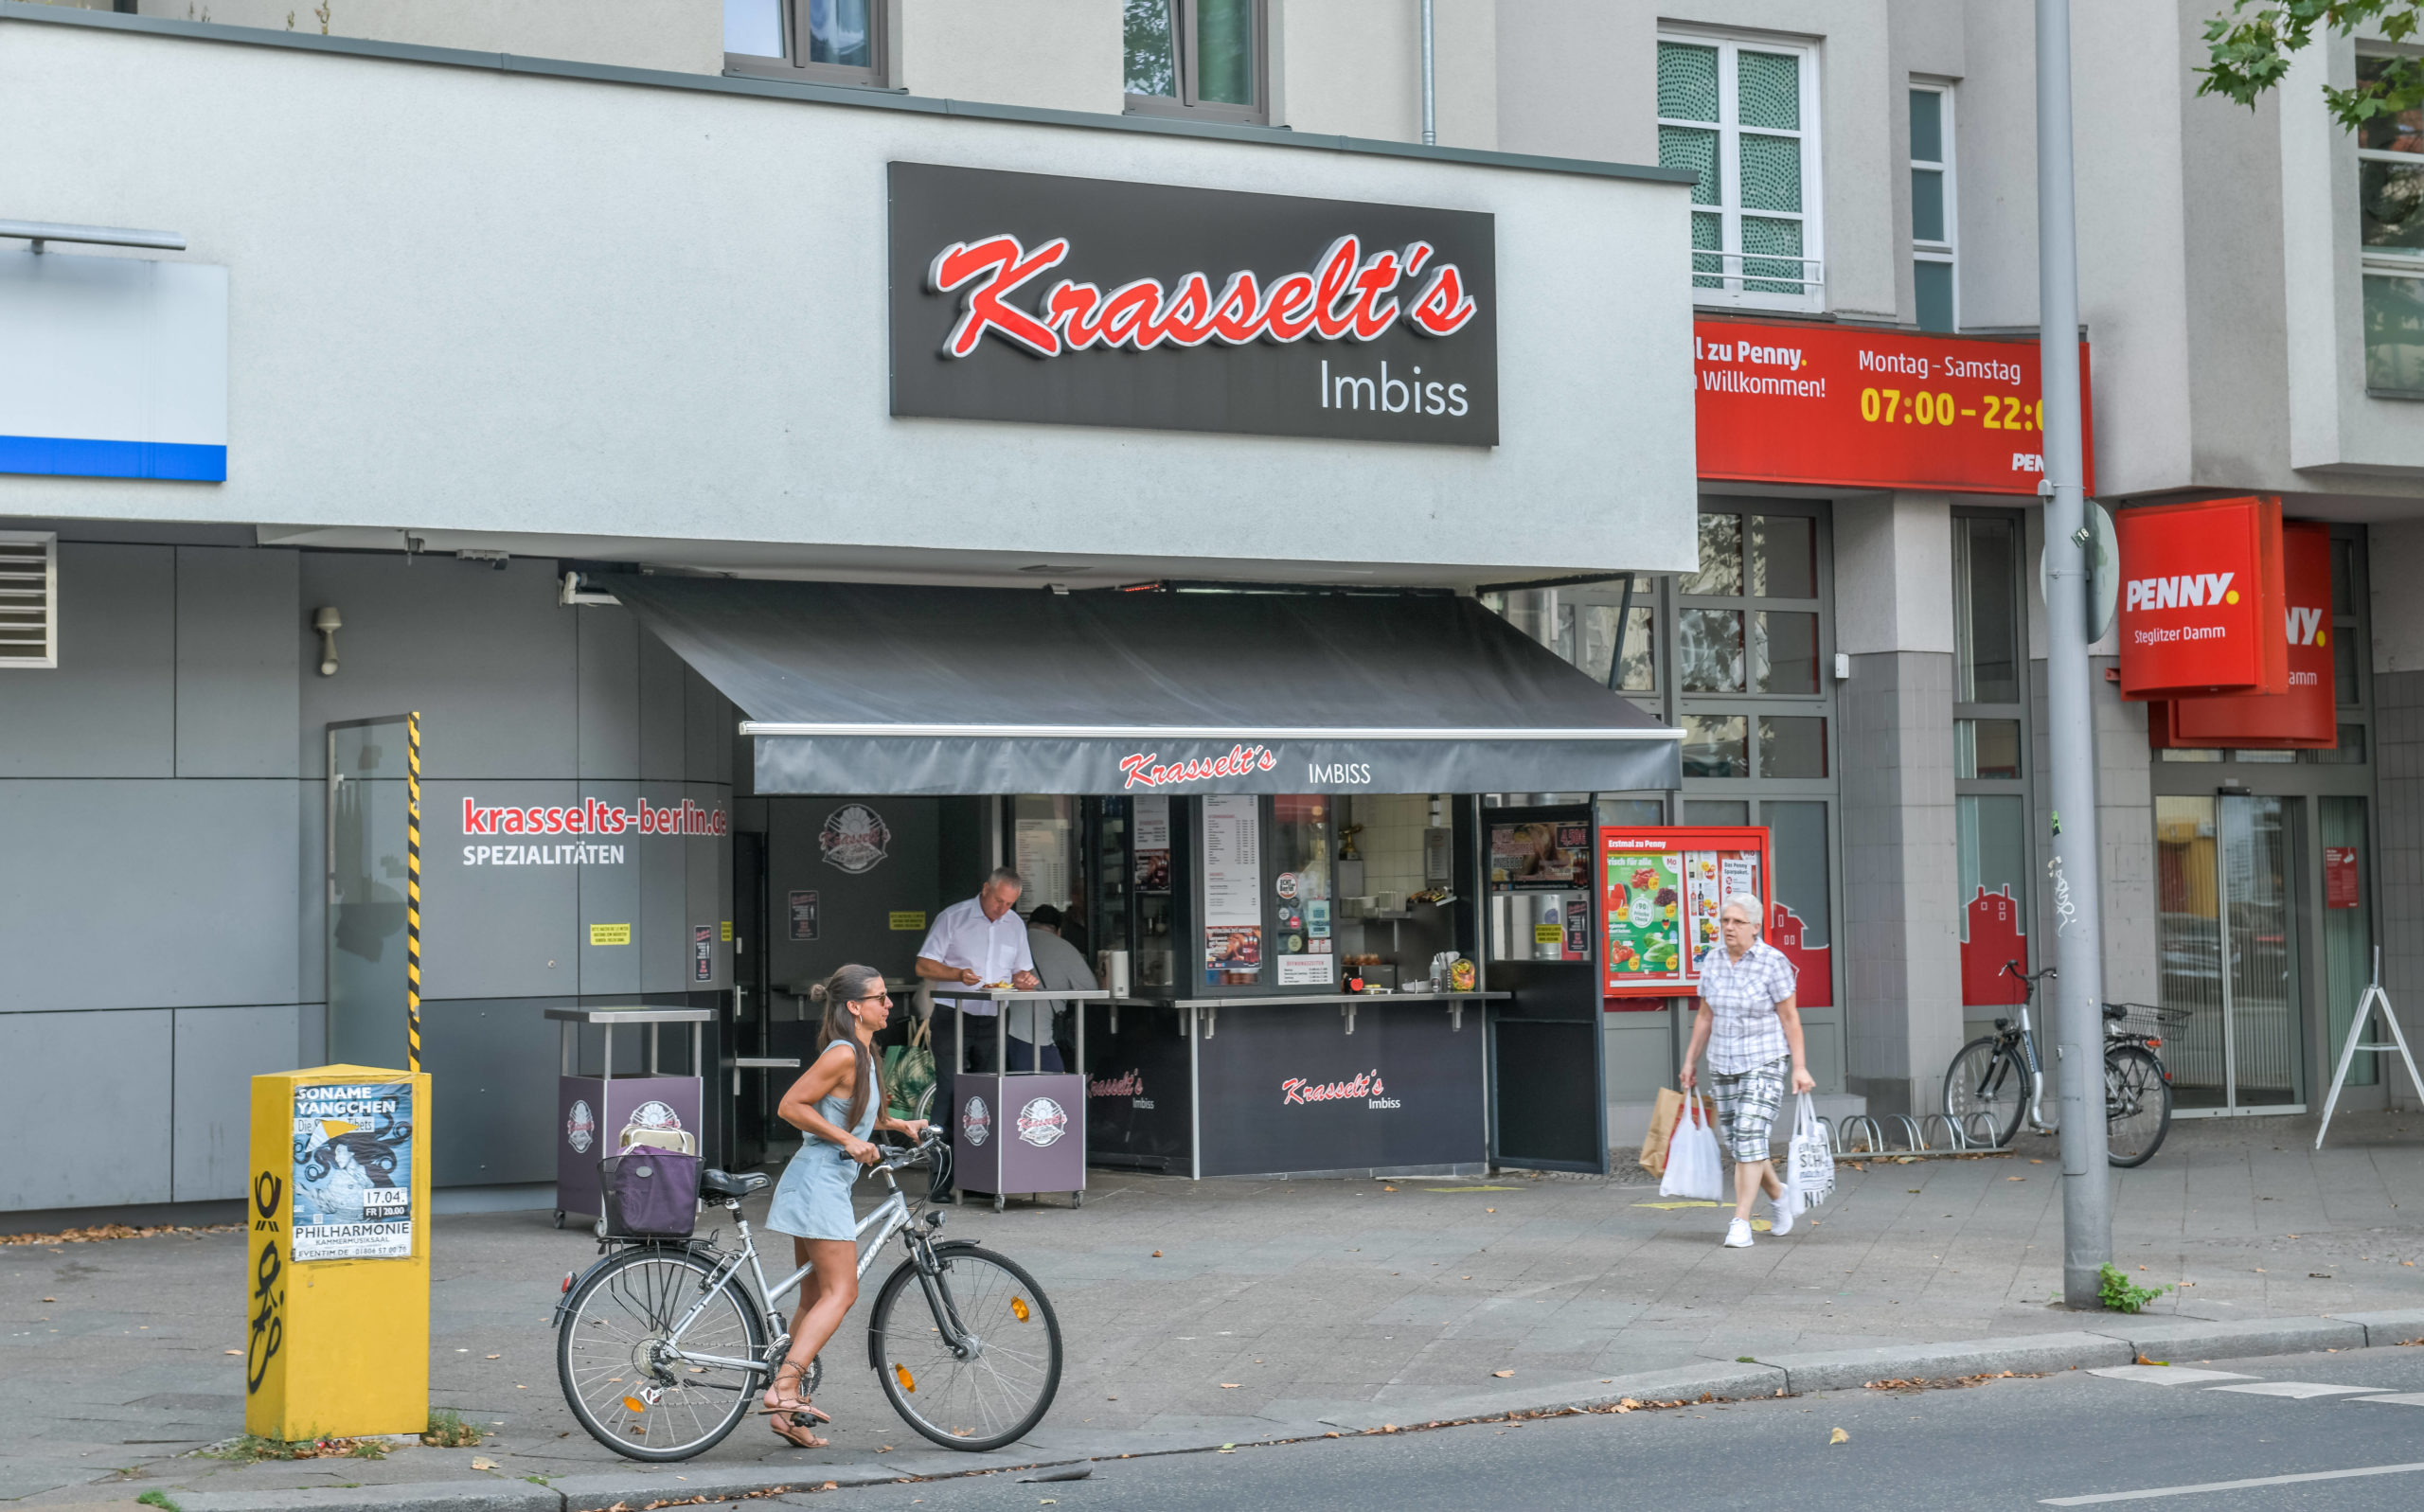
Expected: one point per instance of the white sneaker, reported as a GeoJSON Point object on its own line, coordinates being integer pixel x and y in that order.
{"type": "Point", "coordinates": [1780, 1211]}
{"type": "Point", "coordinates": [1738, 1233]}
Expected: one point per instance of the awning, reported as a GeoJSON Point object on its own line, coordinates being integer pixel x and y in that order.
{"type": "Point", "coordinates": [881, 689]}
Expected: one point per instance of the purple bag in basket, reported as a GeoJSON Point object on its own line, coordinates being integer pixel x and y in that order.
{"type": "Point", "coordinates": [650, 1193]}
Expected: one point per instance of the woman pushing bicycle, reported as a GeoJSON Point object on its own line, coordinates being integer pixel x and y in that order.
{"type": "Point", "coordinates": [837, 1104]}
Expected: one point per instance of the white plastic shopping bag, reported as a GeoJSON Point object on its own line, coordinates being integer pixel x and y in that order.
{"type": "Point", "coordinates": [1809, 1164]}
{"type": "Point", "coordinates": [1692, 1166]}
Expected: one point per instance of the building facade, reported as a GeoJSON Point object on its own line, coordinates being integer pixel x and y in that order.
{"type": "Point", "coordinates": [513, 293]}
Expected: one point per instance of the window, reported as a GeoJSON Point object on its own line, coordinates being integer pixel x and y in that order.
{"type": "Point", "coordinates": [1743, 116]}
{"type": "Point", "coordinates": [2390, 223]}
{"type": "Point", "coordinates": [824, 42]}
{"type": "Point", "coordinates": [29, 599]}
{"type": "Point", "coordinates": [1989, 751]}
{"type": "Point", "coordinates": [1198, 59]}
{"type": "Point", "coordinates": [1933, 218]}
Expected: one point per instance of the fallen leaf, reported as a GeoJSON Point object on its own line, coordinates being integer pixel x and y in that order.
{"type": "Point", "coordinates": [1157, 1254]}
{"type": "Point", "coordinates": [231, 1351]}
{"type": "Point", "coordinates": [1838, 1437]}
{"type": "Point", "coordinates": [1389, 1188]}
{"type": "Point", "coordinates": [483, 1463]}
{"type": "Point", "coordinates": [496, 1356]}
{"type": "Point", "coordinates": [2015, 1178]}
{"type": "Point", "coordinates": [1489, 1210]}
{"type": "Point", "coordinates": [55, 1299]}
{"type": "Point", "coordinates": [1502, 1374]}
{"type": "Point", "coordinates": [1230, 1385]}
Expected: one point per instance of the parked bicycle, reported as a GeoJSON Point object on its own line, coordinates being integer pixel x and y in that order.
{"type": "Point", "coordinates": [662, 1347]}
{"type": "Point", "coordinates": [1999, 1078]}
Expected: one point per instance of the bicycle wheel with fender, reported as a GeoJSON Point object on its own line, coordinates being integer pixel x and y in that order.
{"type": "Point", "coordinates": [1986, 1078]}
{"type": "Point", "coordinates": [994, 1385]}
{"type": "Point", "coordinates": [2137, 1105]}
{"type": "Point", "coordinates": [614, 1355]}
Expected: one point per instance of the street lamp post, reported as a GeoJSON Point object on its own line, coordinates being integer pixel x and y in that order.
{"type": "Point", "coordinates": [2073, 857]}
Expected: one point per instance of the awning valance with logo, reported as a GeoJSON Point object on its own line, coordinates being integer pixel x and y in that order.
{"type": "Point", "coordinates": [877, 689]}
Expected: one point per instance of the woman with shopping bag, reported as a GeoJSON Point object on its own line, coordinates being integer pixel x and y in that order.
{"type": "Point", "coordinates": [1750, 1024]}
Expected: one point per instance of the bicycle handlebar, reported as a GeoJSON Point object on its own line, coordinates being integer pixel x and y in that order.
{"type": "Point", "coordinates": [2012, 968]}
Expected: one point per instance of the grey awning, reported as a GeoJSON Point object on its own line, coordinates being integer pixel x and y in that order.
{"type": "Point", "coordinates": [876, 689]}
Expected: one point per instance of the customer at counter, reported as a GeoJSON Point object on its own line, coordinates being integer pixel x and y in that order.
{"type": "Point", "coordinates": [1060, 965]}
{"type": "Point", "coordinates": [978, 942]}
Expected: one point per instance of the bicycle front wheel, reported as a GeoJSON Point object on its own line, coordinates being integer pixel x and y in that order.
{"type": "Point", "coordinates": [2137, 1105]}
{"type": "Point", "coordinates": [1986, 1078]}
{"type": "Point", "coordinates": [993, 1387]}
{"type": "Point", "coordinates": [616, 1355]}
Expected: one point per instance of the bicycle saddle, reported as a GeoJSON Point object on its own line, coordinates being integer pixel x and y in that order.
{"type": "Point", "coordinates": [714, 1184]}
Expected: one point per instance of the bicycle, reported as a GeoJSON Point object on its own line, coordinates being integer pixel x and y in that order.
{"type": "Point", "coordinates": [662, 1346]}
{"type": "Point", "coordinates": [1997, 1078]}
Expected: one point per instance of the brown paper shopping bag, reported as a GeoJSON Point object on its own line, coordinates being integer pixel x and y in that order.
{"type": "Point", "coordinates": [1662, 1127]}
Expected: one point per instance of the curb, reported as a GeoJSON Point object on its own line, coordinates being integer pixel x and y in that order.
{"type": "Point", "coordinates": [2117, 1343]}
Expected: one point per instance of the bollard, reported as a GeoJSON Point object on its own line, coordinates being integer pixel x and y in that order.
{"type": "Point", "coordinates": [336, 1273]}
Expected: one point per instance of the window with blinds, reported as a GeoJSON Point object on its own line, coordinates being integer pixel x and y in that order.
{"type": "Point", "coordinates": [28, 601]}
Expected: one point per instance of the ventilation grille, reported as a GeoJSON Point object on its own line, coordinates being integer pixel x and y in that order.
{"type": "Point", "coordinates": [28, 601]}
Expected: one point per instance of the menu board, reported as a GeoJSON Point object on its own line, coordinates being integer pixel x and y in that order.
{"type": "Point", "coordinates": [1539, 854]}
{"type": "Point", "coordinates": [1153, 841]}
{"type": "Point", "coordinates": [1232, 887]}
{"type": "Point", "coordinates": [1661, 892]}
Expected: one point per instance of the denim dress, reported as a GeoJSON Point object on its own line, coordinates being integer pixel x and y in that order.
{"type": "Point", "coordinates": [813, 1201]}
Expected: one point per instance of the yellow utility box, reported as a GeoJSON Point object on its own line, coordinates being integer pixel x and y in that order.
{"type": "Point", "coordinates": [336, 1274]}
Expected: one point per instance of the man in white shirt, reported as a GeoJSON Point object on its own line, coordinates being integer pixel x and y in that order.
{"type": "Point", "coordinates": [978, 942]}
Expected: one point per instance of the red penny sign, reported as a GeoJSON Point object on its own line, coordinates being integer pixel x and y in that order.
{"type": "Point", "coordinates": [2202, 599]}
{"type": "Point", "coordinates": [2304, 718]}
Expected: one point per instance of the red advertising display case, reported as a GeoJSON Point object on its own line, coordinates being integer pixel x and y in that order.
{"type": "Point", "coordinates": [1660, 891]}
{"type": "Point", "coordinates": [2202, 599]}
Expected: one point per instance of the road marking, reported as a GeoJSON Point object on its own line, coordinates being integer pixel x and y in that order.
{"type": "Point", "coordinates": [2299, 1389]}
{"type": "Point", "coordinates": [2166, 1374]}
{"type": "Point", "coordinates": [2404, 1398]}
{"type": "Point", "coordinates": [2226, 1486]}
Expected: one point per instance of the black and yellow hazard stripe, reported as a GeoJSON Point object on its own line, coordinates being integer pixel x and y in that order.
{"type": "Point", "coordinates": [412, 889]}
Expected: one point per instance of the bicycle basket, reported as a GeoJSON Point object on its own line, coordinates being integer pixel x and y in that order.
{"type": "Point", "coordinates": [2150, 1020]}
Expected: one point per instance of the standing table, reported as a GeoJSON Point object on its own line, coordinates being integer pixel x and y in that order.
{"type": "Point", "coordinates": [594, 1113]}
{"type": "Point", "coordinates": [1021, 1132]}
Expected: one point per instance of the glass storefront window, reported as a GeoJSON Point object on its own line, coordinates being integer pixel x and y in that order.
{"type": "Point", "coordinates": [1784, 555]}
{"type": "Point", "coordinates": [1708, 651]}
{"type": "Point", "coordinates": [1716, 811]}
{"type": "Point", "coordinates": [1793, 746]}
{"type": "Point", "coordinates": [1797, 833]}
{"type": "Point", "coordinates": [1985, 748]}
{"type": "Point", "coordinates": [1986, 627]}
{"type": "Point", "coordinates": [1786, 652]}
{"type": "Point", "coordinates": [1720, 568]}
{"type": "Point", "coordinates": [1716, 745]}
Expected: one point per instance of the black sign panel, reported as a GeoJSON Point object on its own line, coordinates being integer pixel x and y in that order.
{"type": "Point", "coordinates": [1285, 1089]}
{"type": "Point", "coordinates": [1025, 297]}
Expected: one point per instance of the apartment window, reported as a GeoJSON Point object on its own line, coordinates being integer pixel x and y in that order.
{"type": "Point", "coordinates": [1989, 751]}
{"type": "Point", "coordinates": [2389, 219]}
{"type": "Point", "coordinates": [1743, 116]}
{"type": "Point", "coordinates": [1932, 218]}
{"type": "Point", "coordinates": [825, 42]}
{"type": "Point", "coordinates": [1205, 60]}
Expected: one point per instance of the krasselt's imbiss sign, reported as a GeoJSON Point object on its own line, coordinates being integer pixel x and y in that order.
{"type": "Point", "coordinates": [1025, 297]}
{"type": "Point", "coordinates": [1783, 402]}
{"type": "Point", "coordinates": [2201, 602]}
{"type": "Point", "coordinates": [2306, 716]}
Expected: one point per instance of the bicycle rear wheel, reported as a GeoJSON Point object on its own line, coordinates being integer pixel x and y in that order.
{"type": "Point", "coordinates": [2137, 1105]}
{"type": "Point", "coordinates": [1986, 1078]}
{"type": "Point", "coordinates": [612, 1355]}
{"type": "Point", "coordinates": [994, 1389]}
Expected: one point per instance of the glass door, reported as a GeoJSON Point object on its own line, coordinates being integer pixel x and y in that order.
{"type": "Point", "coordinates": [2227, 944]}
{"type": "Point", "coordinates": [366, 892]}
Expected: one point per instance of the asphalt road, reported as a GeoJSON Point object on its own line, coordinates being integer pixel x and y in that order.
{"type": "Point", "coordinates": [2003, 1444]}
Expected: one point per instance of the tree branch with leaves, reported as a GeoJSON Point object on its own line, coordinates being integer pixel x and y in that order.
{"type": "Point", "coordinates": [2249, 49]}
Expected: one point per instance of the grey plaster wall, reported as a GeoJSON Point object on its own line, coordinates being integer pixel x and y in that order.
{"type": "Point", "coordinates": [162, 903]}
{"type": "Point", "coordinates": [1900, 915]}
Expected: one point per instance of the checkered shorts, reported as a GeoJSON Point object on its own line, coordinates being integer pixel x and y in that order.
{"type": "Point", "coordinates": [1746, 1107]}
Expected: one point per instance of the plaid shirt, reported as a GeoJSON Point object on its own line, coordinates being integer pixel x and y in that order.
{"type": "Point", "coordinates": [1743, 997]}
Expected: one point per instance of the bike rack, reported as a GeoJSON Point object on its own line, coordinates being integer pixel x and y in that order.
{"type": "Point", "coordinates": [1952, 1130]}
{"type": "Point", "coordinates": [1935, 1135]}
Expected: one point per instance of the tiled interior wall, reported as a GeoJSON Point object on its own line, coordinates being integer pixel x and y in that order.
{"type": "Point", "coordinates": [1391, 844]}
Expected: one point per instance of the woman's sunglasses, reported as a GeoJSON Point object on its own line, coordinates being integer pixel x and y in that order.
{"type": "Point", "coordinates": [881, 997]}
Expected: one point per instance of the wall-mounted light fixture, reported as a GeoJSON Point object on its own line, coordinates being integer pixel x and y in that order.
{"type": "Point", "coordinates": [328, 622]}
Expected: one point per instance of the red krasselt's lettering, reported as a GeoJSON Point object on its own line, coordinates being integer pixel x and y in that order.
{"type": "Point", "coordinates": [1240, 760]}
{"type": "Point", "coordinates": [594, 817]}
{"type": "Point", "coordinates": [1300, 1089]}
{"type": "Point", "coordinates": [1345, 296]}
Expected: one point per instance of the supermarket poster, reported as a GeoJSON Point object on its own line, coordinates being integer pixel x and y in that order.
{"type": "Point", "coordinates": [1659, 893]}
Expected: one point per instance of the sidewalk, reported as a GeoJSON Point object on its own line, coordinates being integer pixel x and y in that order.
{"type": "Point", "coordinates": [1269, 1304]}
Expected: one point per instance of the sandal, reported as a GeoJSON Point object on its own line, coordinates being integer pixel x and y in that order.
{"type": "Point", "coordinates": [793, 1429]}
{"type": "Point", "coordinates": [795, 1405]}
